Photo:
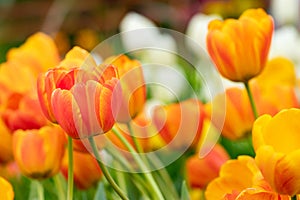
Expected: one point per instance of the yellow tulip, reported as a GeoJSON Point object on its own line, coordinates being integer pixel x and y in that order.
{"type": "Point", "coordinates": [276, 143]}
{"type": "Point", "coordinates": [241, 179]}
{"type": "Point", "coordinates": [39, 152]}
{"type": "Point", "coordinates": [6, 190]}
{"type": "Point", "coordinates": [239, 48]}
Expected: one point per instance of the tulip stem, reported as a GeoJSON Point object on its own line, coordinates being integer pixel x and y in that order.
{"type": "Point", "coordinates": [59, 187]}
{"type": "Point", "coordinates": [139, 161]}
{"type": "Point", "coordinates": [70, 169]}
{"type": "Point", "coordinates": [105, 170]}
{"type": "Point", "coordinates": [40, 190]}
{"type": "Point", "coordinates": [136, 142]}
{"type": "Point", "coordinates": [294, 197]}
{"type": "Point", "coordinates": [255, 113]}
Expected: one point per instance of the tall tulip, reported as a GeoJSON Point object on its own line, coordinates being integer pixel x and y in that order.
{"type": "Point", "coordinates": [239, 48]}
{"type": "Point", "coordinates": [87, 108]}
{"type": "Point", "coordinates": [133, 87]}
{"type": "Point", "coordinates": [39, 152]}
{"type": "Point", "coordinates": [276, 143]}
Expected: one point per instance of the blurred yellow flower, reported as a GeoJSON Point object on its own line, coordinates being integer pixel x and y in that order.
{"type": "Point", "coordinates": [241, 179]}
{"type": "Point", "coordinates": [240, 48]}
{"type": "Point", "coordinates": [276, 143]}
{"type": "Point", "coordinates": [6, 190]}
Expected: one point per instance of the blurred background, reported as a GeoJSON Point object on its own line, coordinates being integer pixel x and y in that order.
{"type": "Point", "coordinates": [86, 23]}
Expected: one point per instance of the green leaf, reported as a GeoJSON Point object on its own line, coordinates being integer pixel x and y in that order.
{"type": "Point", "coordinates": [184, 191]}
{"type": "Point", "coordinates": [100, 193]}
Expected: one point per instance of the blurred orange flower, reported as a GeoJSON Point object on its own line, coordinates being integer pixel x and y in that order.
{"type": "Point", "coordinates": [39, 152]}
{"type": "Point", "coordinates": [133, 87]}
{"type": "Point", "coordinates": [86, 170]}
{"type": "Point", "coordinates": [5, 144]}
{"type": "Point", "coordinates": [240, 48]}
{"type": "Point", "coordinates": [200, 171]}
{"type": "Point", "coordinates": [23, 112]}
{"type": "Point", "coordinates": [7, 192]}
{"type": "Point", "coordinates": [241, 179]}
{"type": "Point", "coordinates": [239, 116]}
{"type": "Point", "coordinates": [276, 143]}
{"type": "Point", "coordinates": [174, 124]}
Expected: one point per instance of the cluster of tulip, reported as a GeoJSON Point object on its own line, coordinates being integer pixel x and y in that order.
{"type": "Point", "coordinates": [67, 120]}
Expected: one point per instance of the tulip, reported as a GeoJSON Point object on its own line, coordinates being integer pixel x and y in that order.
{"type": "Point", "coordinates": [48, 82]}
{"type": "Point", "coordinates": [39, 52]}
{"type": "Point", "coordinates": [239, 48]}
{"type": "Point", "coordinates": [180, 124]}
{"type": "Point", "coordinates": [133, 87]}
{"type": "Point", "coordinates": [241, 179]}
{"type": "Point", "coordinates": [87, 108]}
{"type": "Point", "coordinates": [23, 112]}
{"type": "Point", "coordinates": [239, 117]}
{"type": "Point", "coordinates": [200, 171]}
{"type": "Point", "coordinates": [275, 140]}
{"type": "Point", "coordinates": [5, 144]}
{"type": "Point", "coordinates": [39, 152]}
{"type": "Point", "coordinates": [86, 170]}
{"type": "Point", "coordinates": [7, 192]}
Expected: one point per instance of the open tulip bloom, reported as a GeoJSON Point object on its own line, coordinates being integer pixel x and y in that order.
{"type": "Point", "coordinates": [86, 130]}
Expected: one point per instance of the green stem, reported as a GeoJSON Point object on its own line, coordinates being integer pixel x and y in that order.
{"type": "Point", "coordinates": [138, 181]}
{"type": "Point", "coordinates": [70, 170]}
{"type": "Point", "coordinates": [251, 100]}
{"type": "Point", "coordinates": [59, 187]}
{"type": "Point", "coordinates": [135, 141]}
{"type": "Point", "coordinates": [294, 197]}
{"type": "Point", "coordinates": [141, 164]}
{"type": "Point", "coordinates": [40, 190]}
{"type": "Point", "coordinates": [105, 170]}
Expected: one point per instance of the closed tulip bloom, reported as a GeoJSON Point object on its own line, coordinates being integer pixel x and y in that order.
{"type": "Point", "coordinates": [39, 152]}
{"type": "Point", "coordinates": [133, 87]}
{"type": "Point", "coordinates": [200, 171]}
{"type": "Point", "coordinates": [55, 78]}
{"type": "Point", "coordinates": [7, 192]}
{"type": "Point", "coordinates": [239, 48]}
{"type": "Point", "coordinates": [86, 170]}
{"type": "Point", "coordinates": [180, 124]}
{"type": "Point", "coordinates": [276, 143]}
{"type": "Point", "coordinates": [87, 108]}
{"type": "Point", "coordinates": [241, 179]}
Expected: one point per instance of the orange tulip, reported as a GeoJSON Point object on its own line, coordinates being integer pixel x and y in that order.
{"type": "Point", "coordinates": [180, 124]}
{"type": "Point", "coordinates": [7, 192]}
{"type": "Point", "coordinates": [200, 171]}
{"type": "Point", "coordinates": [239, 116]}
{"type": "Point", "coordinates": [241, 180]}
{"type": "Point", "coordinates": [48, 82]}
{"type": "Point", "coordinates": [23, 112]}
{"type": "Point", "coordinates": [133, 87]}
{"type": "Point", "coordinates": [39, 153]}
{"type": "Point", "coordinates": [239, 48]}
{"type": "Point", "coordinates": [86, 170]}
{"type": "Point", "coordinates": [87, 108]}
{"type": "Point", "coordinates": [276, 143]}
{"type": "Point", "coordinates": [5, 144]}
